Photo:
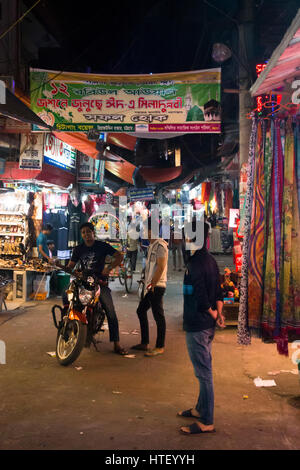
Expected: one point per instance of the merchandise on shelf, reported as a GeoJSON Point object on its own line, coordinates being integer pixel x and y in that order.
{"type": "Point", "coordinates": [12, 222]}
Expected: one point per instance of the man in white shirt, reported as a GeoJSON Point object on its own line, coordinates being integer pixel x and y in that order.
{"type": "Point", "coordinates": [154, 289]}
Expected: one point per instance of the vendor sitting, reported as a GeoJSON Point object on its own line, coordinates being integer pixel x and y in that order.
{"type": "Point", "coordinates": [41, 243]}
{"type": "Point", "coordinates": [51, 248]}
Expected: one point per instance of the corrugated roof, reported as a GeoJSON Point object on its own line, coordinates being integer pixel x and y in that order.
{"type": "Point", "coordinates": [284, 64]}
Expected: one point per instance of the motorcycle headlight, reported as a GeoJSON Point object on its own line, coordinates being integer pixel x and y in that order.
{"type": "Point", "coordinates": [70, 294]}
{"type": "Point", "coordinates": [85, 296]}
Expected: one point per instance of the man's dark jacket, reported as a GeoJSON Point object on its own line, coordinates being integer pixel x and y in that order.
{"type": "Point", "coordinates": [202, 290]}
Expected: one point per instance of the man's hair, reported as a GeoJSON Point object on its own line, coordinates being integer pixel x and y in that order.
{"type": "Point", "coordinates": [88, 225]}
{"type": "Point", "coordinates": [47, 227]}
{"type": "Point", "coordinates": [50, 242]}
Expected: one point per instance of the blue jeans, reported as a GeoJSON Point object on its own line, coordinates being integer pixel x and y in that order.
{"type": "Point", "coordinates": [199, 345]}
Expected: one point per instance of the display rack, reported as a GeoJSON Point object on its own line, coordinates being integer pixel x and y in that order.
{"type": "Point", "coordinates": [12, 222]}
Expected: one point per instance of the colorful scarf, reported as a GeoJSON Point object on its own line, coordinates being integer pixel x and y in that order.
{"type": "Point", "coordinates": [257, 238]}
{"type": "Point", "coordinates": [243, 328]}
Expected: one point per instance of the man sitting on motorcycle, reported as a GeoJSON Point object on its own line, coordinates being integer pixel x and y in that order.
{"type": "Point", "coordinates": [92, 253]}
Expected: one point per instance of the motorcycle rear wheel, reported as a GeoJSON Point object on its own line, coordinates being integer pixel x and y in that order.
{"type": "Point", "coordinates": [68, 351]}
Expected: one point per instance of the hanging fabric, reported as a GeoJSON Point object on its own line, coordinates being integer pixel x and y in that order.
{"type": "Point", "coordinates": [243, 328]}
{"type": "Point", "coordinates": [289, 273]}
{"type": "Point", "coordinates": [257, 240]}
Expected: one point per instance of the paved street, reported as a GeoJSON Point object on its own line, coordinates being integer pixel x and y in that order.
{"type": "Point", "coordinates": [121, 403]}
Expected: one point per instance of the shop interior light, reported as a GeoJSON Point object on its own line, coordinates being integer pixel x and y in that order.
{"type": "Point", "coordinates": [213, 205]}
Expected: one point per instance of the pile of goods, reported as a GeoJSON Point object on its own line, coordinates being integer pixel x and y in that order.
{"type": "Point", "coordinates": [230, 290]}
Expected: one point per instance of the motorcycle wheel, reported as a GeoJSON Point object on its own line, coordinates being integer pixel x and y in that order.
{"type": "Point", "coordinates": [68, 351]}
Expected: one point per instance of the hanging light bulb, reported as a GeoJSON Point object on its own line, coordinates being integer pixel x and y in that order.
{"type": "Point", "coordinates": [221, 52]}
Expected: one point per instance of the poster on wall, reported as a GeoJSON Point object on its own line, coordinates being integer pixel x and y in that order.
{"type": "Point", "coordinates": [31, 151]}
{"type": "Point", "coordinates": [184, 102]}
{"type": "Point", "coordinates": [86, 169]}
{"type": "Point", "coordinates": [58, 153]}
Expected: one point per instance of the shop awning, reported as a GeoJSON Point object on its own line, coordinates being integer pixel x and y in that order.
{"type": "Point", "coordinates": [160, 175]}
{"type": "Point", "coordinates": [125, 141]}
{"type": "Point", "coordinates": [13, 172]}
{"type": "Point", "coordinates": [16, 109]}
{"type": "Point", "coordinates": [284, 63]}
{"type": "Point", "coordinates": [123, 169]}
{"type": "Point", "coordinates": [48, 174]}
{"type": "Point", "coordinates": [57, 176]}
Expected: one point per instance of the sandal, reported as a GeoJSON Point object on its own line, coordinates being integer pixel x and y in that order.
{"type": "Point", "coordinates": [195, 429]}
{"type": "Point", "coordinates": [121, 351]}
{"type": "Point", "coordinates": [187, 414]}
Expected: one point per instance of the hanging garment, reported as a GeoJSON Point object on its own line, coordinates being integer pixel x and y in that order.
{"type": "Point", "coordinates": [89, 206]}
{"type": "Point", "coordinates": [297, 156]}
{"type": "Point", "coordinates": [207, 191]}
{"type": "Point", "coordinates": [76, 218]}
{"type": "Point", "coordinates": [219, 199]}
{"type": "Point", "coordinates": [268, 162]}
{"type": "Point", "coordinates": [271, 320]}
{"type": "Point", "coordinates": [228, 201]}
{"type": "Point", "coordinates": [63, 251]}
{"type": "Point", "coordinates": [243, 329]}
{"type": "Point", "coordinates": [203, 193]}
{"type": "Point", "coordinates": [257, 240]}
{"type": "Point", "coordinates": [289, 273]}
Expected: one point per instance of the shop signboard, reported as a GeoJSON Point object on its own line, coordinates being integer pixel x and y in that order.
{"type": "Point", "coordinates": [58, 153]}
{"type": "Point", "coordinates": [31, 151]}
{"type": "Point", "coordinates": [141, 194]}
{"type": "Point", "coordinates": [184, 102]}
{"type": "Point", "coordinates": [86, 169]}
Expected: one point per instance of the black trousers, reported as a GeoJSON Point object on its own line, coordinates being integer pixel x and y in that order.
{"type": "Point", "coordinates": [132, 255]}
{"type": "Point", "coordinates": [155, 301]}
{"type": "Point", "coordinates": [108, 305]}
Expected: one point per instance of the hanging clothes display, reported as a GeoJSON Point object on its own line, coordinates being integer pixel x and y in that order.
{"type": "Point", "coordinates": [63, 251]}
{"type": "Point", "coordinates": [89, 206]}
{"type": "Point", "coordinates": [76, 218]}
{"type": "Point", "coordinates": [271, 265]}
{"type": "Point", "coordinates": [256, 241]}
{"type": "Point", "coordinates": [228, 201]}
{"type": "Point", "coordinates": [243, 327]}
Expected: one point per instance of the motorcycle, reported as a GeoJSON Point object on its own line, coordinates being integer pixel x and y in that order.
{"type": "Point", "coordinates": [81, 320]}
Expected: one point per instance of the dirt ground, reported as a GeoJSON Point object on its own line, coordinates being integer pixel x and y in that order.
{"type": "Point", "coordinates": [120, 403]}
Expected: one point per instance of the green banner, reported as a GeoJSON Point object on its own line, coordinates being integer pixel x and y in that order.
{"type": "Point", "coordinates": [184, 102]}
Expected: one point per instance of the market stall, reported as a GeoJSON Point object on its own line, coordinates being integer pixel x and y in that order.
{"type": "Point", "coordinates": [270, 285]}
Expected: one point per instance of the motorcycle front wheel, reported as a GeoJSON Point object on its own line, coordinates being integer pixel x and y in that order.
{"type": "Point", "coordinates": [70, 345]}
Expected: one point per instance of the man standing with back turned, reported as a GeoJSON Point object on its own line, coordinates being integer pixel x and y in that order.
{"type": "Point", "coordinates": [203, 303]}
{"type": "Point", "coordinates": [154, 289]}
